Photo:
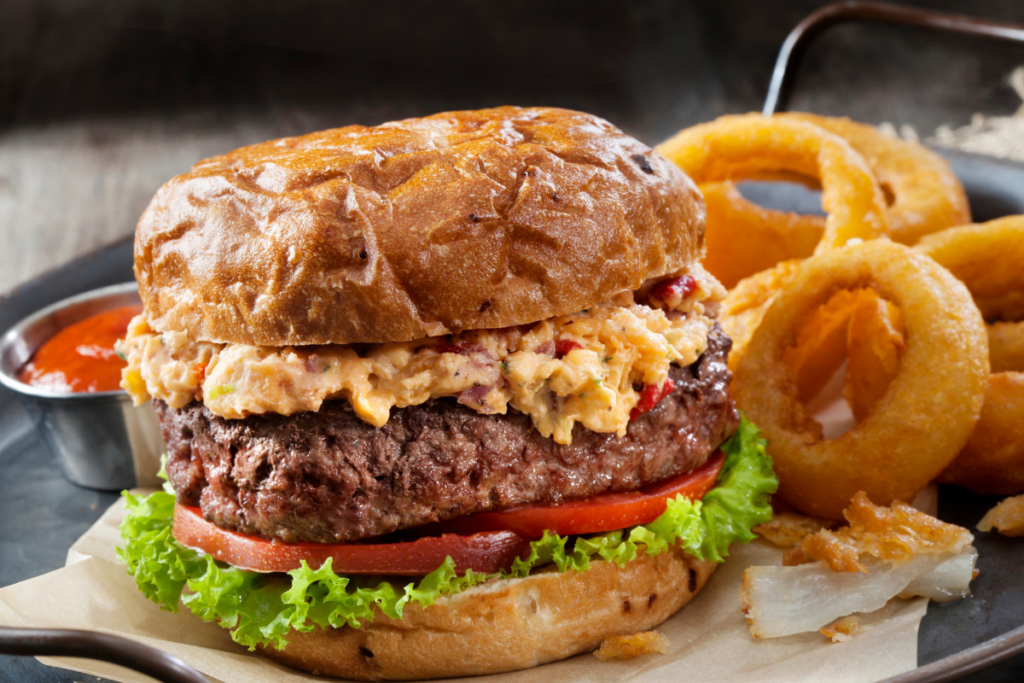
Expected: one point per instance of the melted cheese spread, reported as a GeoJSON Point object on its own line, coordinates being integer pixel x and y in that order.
{"type": "Point", "coordinates": [574, 368]}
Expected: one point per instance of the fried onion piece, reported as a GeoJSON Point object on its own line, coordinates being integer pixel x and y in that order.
{"type": "Point", "coordinates": [1007, 517]}
{"type": "Point", "coordinates": [842, 630]}
{"type": "Point", "coordinates": [1006, 347]}
{"type": "Point", "coordinates": [883, 553]}
{"type": "Point", "coordinates": [874, 346]}
{"type": "Point", "coordinates": [986, 257]}
{"type": "Point", "coordinates": [890, 534]}
{"type": "Point", "coordinates": [787, 529]}
{"type": "Point", "coordinates": [738, 147]}
{"type": "Point", "coordinates": [857, 325]}
{"type": "Point", "coordinates": [924, 418]}
{"type": "Point", "coordinates": [743, 238]}
{"type": "Point", "coordinates": [821, 341]}
{"type": "Point", "coordinates": [922, 192]}
{"type": "Point", "coordinates": [745, 305]}
{"type": "Point", "coordinates": [627, 647]}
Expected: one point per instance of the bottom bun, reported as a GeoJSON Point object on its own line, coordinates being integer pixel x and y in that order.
{"type": "Point", "coordinates": [505, 625]}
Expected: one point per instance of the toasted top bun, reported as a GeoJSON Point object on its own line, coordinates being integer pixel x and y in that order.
{"type": "Point", "coordinates": [424, 227]}
{"type": "Point", "coordinates": [505, 625]}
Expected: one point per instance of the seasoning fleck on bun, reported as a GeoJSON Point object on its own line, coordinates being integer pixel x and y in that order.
{"type": "Point", "coordinates": [424, 227]}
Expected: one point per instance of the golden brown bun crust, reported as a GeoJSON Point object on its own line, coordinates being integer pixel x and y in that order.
{"type": "Point", "coordinates": [505, 625]}
{"type": "Point", "coordinates": [424, 227]}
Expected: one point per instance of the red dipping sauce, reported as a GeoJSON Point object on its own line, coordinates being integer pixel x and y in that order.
{"type": "Point", "coordinates": [81, 358]}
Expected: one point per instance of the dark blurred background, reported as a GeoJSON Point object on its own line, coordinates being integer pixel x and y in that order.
{"type": "Point", "coordinates": [103, 100]}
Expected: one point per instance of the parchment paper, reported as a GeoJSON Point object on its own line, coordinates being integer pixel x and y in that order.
{"type": "Point", "coordinates": [709, 637]}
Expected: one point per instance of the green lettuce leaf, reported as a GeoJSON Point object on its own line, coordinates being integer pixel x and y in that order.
{"type": "Point", "coordinates": [260, 609]}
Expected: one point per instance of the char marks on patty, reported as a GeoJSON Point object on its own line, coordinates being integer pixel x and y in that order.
{"type": "Point", "coordinates": [327, 476]}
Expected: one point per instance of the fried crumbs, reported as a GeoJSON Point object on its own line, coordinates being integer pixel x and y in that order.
{"type": "Point", "coordinates": [894, 534]}
{"type": "Point", "coordinates": [842, 630]}
{"type": "Point", "coordinates": [1007, 517]}
{"type": "Point", "coordinates": [627, 647]}
{"type": "Point", "coordinates": [786, 529]}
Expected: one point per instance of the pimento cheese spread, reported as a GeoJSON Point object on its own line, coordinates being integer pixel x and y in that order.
{"type": "Point", "coordinates": [574, 368]}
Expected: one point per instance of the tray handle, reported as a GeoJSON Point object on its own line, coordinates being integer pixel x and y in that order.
{"type": "Point", "coordinates": [795, 46]}
{"type": "Point", "coordinates": [39, 642]}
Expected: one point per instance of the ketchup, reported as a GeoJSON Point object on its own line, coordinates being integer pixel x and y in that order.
{"type": "Point", "coordinates": [81, 358]}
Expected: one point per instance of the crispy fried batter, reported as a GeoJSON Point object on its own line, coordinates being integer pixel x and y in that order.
{"type": "Point", "coordinates": [894, 534]}
{"type": "Point", "coordinates": [743, 238]}
{"type": "Point", "coordinates": [746, 304]}
{"type": "Point", "coordinates": [1006, 346]}
{"type": "Point", "coordinates": [926, 415]}
{"type": "Point", "coordinates": [820, 344]}
{"type": "Point", "coordinates": [787, 529]}
{"type": "Point", "coordinates": [627, 647]}
{"type": "Point", "coordinates": [1007, 517]}
{"type": "Point", "coordinates": [843, 629]}
{"type": "Point", "coordinates": [874, 346]}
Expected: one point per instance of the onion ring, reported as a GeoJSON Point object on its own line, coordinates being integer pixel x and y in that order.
{"type": "Point", "coordinates": [1006, 347]}
{"type": "Point", "coordinates": [925, 417]}
{"type": "Point", "coordinates": [744, 306]}
{"type": "Point", "coordinates": [922, 192]}
{"type": "Point", "coordinates": [743, 238]}
{"type": "Point", "coordinates": [992, 461]}
{"type": "Point", "coordinates": [737, 147]}
{"type": "Point", "coordinates": [821, 341]}
{"type": "Point", "coordinates": [988, 258]}
{"type": "Point", "coordinates": [874, 347]}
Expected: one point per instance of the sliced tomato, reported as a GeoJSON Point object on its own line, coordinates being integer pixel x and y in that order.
{"type": "Point", "coordinates": [487, 551]}
{"type": "Point", "coordinates": [605, 512]}
{"type": "Point", "coordinates": [484, 542]}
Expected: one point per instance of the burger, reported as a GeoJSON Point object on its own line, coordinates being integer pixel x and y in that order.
{"type": "Point", "coordinates": [441, 397]}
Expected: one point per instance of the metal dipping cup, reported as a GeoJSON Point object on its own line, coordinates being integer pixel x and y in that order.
{"type": "Point", "coordinates": [100, 439]}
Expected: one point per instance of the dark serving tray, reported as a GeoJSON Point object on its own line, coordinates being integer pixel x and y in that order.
{"type": "Point", "coordinates": [42, 514]}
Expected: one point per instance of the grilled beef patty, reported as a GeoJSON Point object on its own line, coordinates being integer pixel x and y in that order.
{"type": "Point", "coordinates": [327, 476]}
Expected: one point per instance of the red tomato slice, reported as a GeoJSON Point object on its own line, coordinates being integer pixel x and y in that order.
{"type": "Point", "coordinates": [484, 542]}
{"type": "Point", "coordinates": [605, 512]}
{"type": "Point", "coordinates": [487, 552]}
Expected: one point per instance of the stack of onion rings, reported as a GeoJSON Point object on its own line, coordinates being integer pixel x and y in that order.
{"type": "Point", "coordinates": [989, 259]}
{"type": "Point", "coordinates": [924, 418]}
{"type": "Point", "coordinates": [735, 147]}
{"type": "Point", "coordinates": [738, 147]}
{"type": "Point", "coordinates": [922, 192]}
{"type": "Point", "coordinates": [898, 382]}
{"type": "Point", "coordinates": [922, 196]}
